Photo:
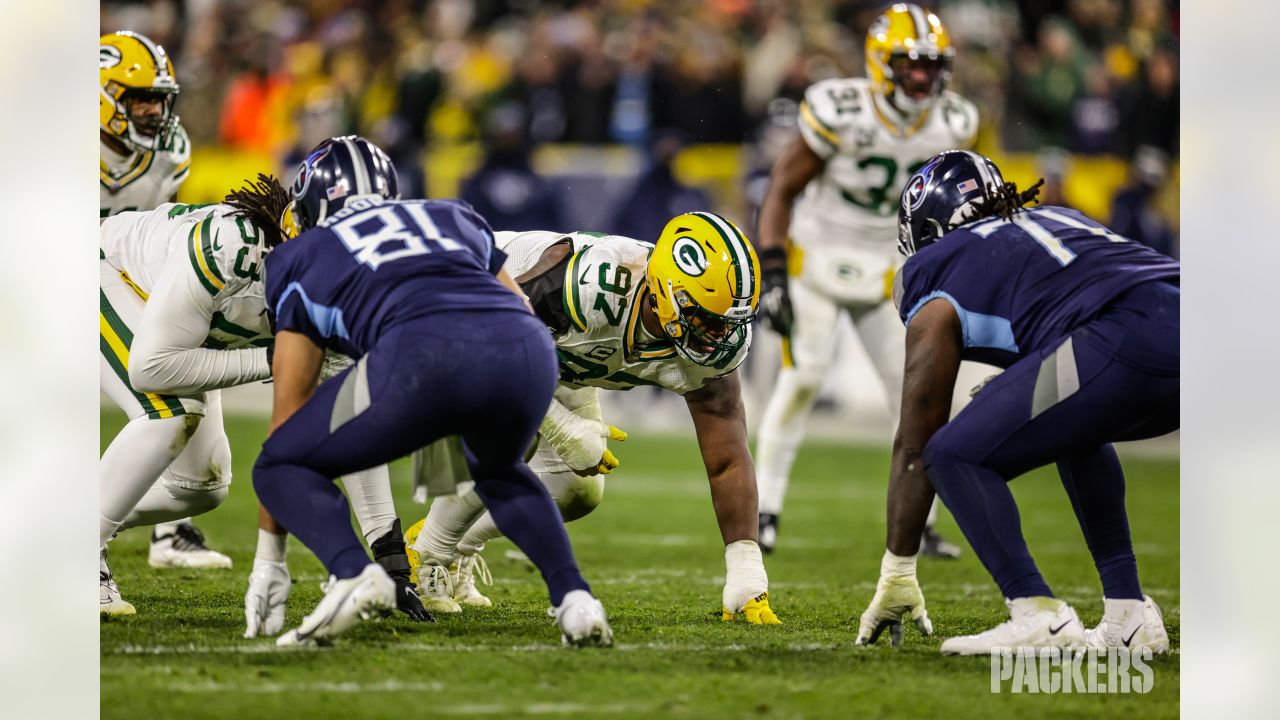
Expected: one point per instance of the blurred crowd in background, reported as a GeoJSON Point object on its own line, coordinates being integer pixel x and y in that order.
{"type": "Point", "coordinates": [1061, 80]}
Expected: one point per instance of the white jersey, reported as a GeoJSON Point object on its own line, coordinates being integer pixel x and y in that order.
{"type": "Point", "coordinates": [845, 223]}
{"type": "Point", "coordinates": [606, 345]}
{"type": "Point", "coordinates": [201, 266]}
{"type": "Point", "coordinates": [142, 180]}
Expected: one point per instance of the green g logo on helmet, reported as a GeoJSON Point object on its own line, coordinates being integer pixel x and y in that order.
{"type": "Point", "coordinates": [689, 256]}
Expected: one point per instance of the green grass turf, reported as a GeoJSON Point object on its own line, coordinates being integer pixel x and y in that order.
{"type": "Point", "coordinates": [653, 555]}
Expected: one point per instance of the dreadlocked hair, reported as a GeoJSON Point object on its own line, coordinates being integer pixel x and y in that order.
{"type": "Point", "coordinates": [261, 202]}
{"type": "Point", "coordinates": [1007, 201]}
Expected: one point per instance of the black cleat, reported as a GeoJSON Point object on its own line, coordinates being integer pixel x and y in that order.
{"type": "Point", "coordinates": [932, 545]}
{"type": "Point", "coordinates": [388, 551]}
{"type": "Point", "coordinates": [767, 538]}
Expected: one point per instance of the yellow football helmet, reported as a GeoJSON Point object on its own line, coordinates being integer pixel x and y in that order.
{"type": "Point", "coordinates": [132, 69]}
{"type": "Point", "coordinates": [704, 284]}
{"type": "Point", "coordinates": [909, 56]}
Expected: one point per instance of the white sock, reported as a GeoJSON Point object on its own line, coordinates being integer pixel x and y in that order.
{"type": "Point", "coordinates": [449, 518]}
{"type": "Point", "coordinates": [369, 492]}
{"type": "Point", "coordinates": [132, 463]}
{"type": "Point", "coordinates": [781, 431]}
{"type": "Point", "coordinates": [271, 547]}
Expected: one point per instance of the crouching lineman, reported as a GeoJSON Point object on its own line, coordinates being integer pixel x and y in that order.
{"type": "Point", "coordinates": [145, 156]}
{"type": "Point", "coordinates": [830, 253]}
{"type": "Point", "coordinates": [181, 316]}
{"type": "Point", "coordinates": [625, 313]}
{"type": "Point", "coordinates": [415, 290]}
{"type": "Point", "coordinates": [1086, 324]}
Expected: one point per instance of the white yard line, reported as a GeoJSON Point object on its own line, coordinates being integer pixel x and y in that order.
{"type": "Point", "coordinates": [256, 648]}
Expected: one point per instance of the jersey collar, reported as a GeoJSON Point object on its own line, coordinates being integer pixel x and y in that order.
{"type": "Point", "coordinates": [887, 114]}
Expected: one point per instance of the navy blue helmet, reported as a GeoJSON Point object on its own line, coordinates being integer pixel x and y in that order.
{"type": "Point", "coordinates": [941, 196]}
{"type": "Point", "coordinates": [335, 171]}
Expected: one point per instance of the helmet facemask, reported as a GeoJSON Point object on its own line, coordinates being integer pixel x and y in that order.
{"type": "Point", "coordinates": [150, 131]}
{"type": "Point", "coordinates": [918, 78]}
{"type": "Point", "coordinates": [704, 337]}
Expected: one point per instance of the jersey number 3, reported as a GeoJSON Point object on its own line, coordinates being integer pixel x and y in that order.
{"type": "Point", "coordinates": [383, 234]}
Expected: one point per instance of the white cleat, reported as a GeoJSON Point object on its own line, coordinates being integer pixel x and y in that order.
{"type": "Point", "coordinates": [435, 587]}
{"type": "Point", "coordinates": [369, 595]}
{"type": "Point", "coordinates": [1130, 624]}
{"type": "Point", "coordinates": [109, 600]}
{"type": "Point", "coordinates": [184, 548]}
{"type": "Point", "coordinates": [1034, 622]}
{"type": "Point", "coordinates": [464, 574]}
{"type": "Point", "coordinates": [582, 621]}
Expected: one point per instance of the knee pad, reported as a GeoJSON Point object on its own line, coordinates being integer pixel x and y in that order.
{"type": "Point", "coordinates": [208, 473]}
{"type": "Point", "coordinates": [580, 497]}
{"type": "Point", "coordinates": [197, 501]}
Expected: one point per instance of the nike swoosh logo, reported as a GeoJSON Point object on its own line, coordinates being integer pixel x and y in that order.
{"type": "Point", "coordinates": [582, 279]}
{"type": "Point", "coordinates": [1130, 638]}
{"type": "Point", "coordinates": [216, 245]}
{"type": "Point", "coordinates": [1055, 631]}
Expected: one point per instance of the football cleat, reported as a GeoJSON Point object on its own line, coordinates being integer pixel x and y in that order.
{"type": "Point", "coordinates": [1130, 624]}
{"type": "Point", "coordinates": [184, 548]}
{"type": "Point", "coordinates": [109, 600]}
{"type": "Point", "coordinates": [389, 552]}
{"type": "Point", "coordinates": [1034, 622]}
{"type": "Point", "coordinates": [582, 621]}
{"type": "Point", "coordinates": [767, 538]}
{"type": "Point", "coordinates": [932, 545]}
{"type": "Point", "coordinates": [435, 587]}
{"type": "Point", "coordinates": [369, 595]}
{"type": "Point", "coordinates": [464, 580]}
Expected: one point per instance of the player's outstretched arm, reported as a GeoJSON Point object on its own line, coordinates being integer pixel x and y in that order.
{"type": "Point", "coordinates": [933, 359]}
{"type": "Point", "coordinates": [721, 424]}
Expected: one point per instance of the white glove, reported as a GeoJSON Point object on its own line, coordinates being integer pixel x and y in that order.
{"type": "Point", "coordinates": [746, 585]}
{"type": "Point", "coordinates": [898, 596]}
{"type": "Point", "coordinates": [580, 441]}
{"type": "Point", "coordinates": [264, 602]}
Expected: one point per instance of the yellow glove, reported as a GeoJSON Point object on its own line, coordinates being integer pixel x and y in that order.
{"type": "Point", "coordinates": [609, 461]}
{"type": "Point", "coordinates": [746, 585]}
{"type": "Point", "coordinates": [756, 611]}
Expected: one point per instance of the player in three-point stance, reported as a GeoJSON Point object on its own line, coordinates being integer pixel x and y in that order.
{"type": "Point", "coordinates": [625, 313]}
{"type": "Point", "coordinates": [827, 227]}
{"type": "Point", "coordinates": [414, 289]}
{"type": "Point", "coordinates": [145, 157]}
{"type": "Point", "coordinates": [1086, 325]}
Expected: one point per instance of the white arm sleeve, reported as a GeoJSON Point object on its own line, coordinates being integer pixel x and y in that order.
{"type": "Point", "coordinates": [166, 356]}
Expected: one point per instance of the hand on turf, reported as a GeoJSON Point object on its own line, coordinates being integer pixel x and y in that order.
{"type": "Point", "coordinates": [407, 600]}
{"type": "Point", "coordinates": [897, 597]}
{"type": "Point", "coordinates": [265, 601]}
{"type": "Point", "coordinates": [756, 611]}
{"type": "Point", "coordinates": [746, 585]}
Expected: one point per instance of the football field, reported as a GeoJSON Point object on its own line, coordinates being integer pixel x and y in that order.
{"type": "Point", "coordinates": [653, 555]}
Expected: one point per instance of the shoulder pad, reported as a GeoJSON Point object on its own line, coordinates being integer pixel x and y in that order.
{"type": "Point", "coordinates": [960, 117]}
{"type": "Point", "coordinates": [828, 108]}
{"type": "Point", "coordinates": [225, 249]}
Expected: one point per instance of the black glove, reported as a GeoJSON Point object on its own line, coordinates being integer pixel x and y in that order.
{"type": "Point", "coordinates": [388, 551]}
{"type": "Point", "coordinates": [775, 301]}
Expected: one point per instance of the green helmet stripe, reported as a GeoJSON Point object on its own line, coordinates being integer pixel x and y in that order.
{"type": "Point", "coordinates": [744, 270]}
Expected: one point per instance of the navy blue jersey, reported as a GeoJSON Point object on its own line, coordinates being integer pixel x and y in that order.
{"type": "Point", "coordinates": [376, 263]}
{"type": "Point", "coordinates": [1020, 286]}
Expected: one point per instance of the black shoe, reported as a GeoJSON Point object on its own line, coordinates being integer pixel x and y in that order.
{"type": "Point", "coordinates": [767, 538]}
{"type": "Point", "coordinates": [932, 545]}
{"type": "Point", "coordinates": [388, 551]}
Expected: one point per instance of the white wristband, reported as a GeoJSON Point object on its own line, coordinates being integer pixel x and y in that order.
{"type": "Point", "coordinates": [897, 565]}
{"type": "Point", "coordinates": [271, 547]}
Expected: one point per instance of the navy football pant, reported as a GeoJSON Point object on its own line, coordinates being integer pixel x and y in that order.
{"type": "Point", "coordinates": [487, 376]}
{"type": "Point", "coordinates": [1115, 378]}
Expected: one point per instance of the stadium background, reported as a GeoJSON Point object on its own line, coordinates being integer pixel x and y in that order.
{"type": "Point", "coordinates": [614, 115]}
